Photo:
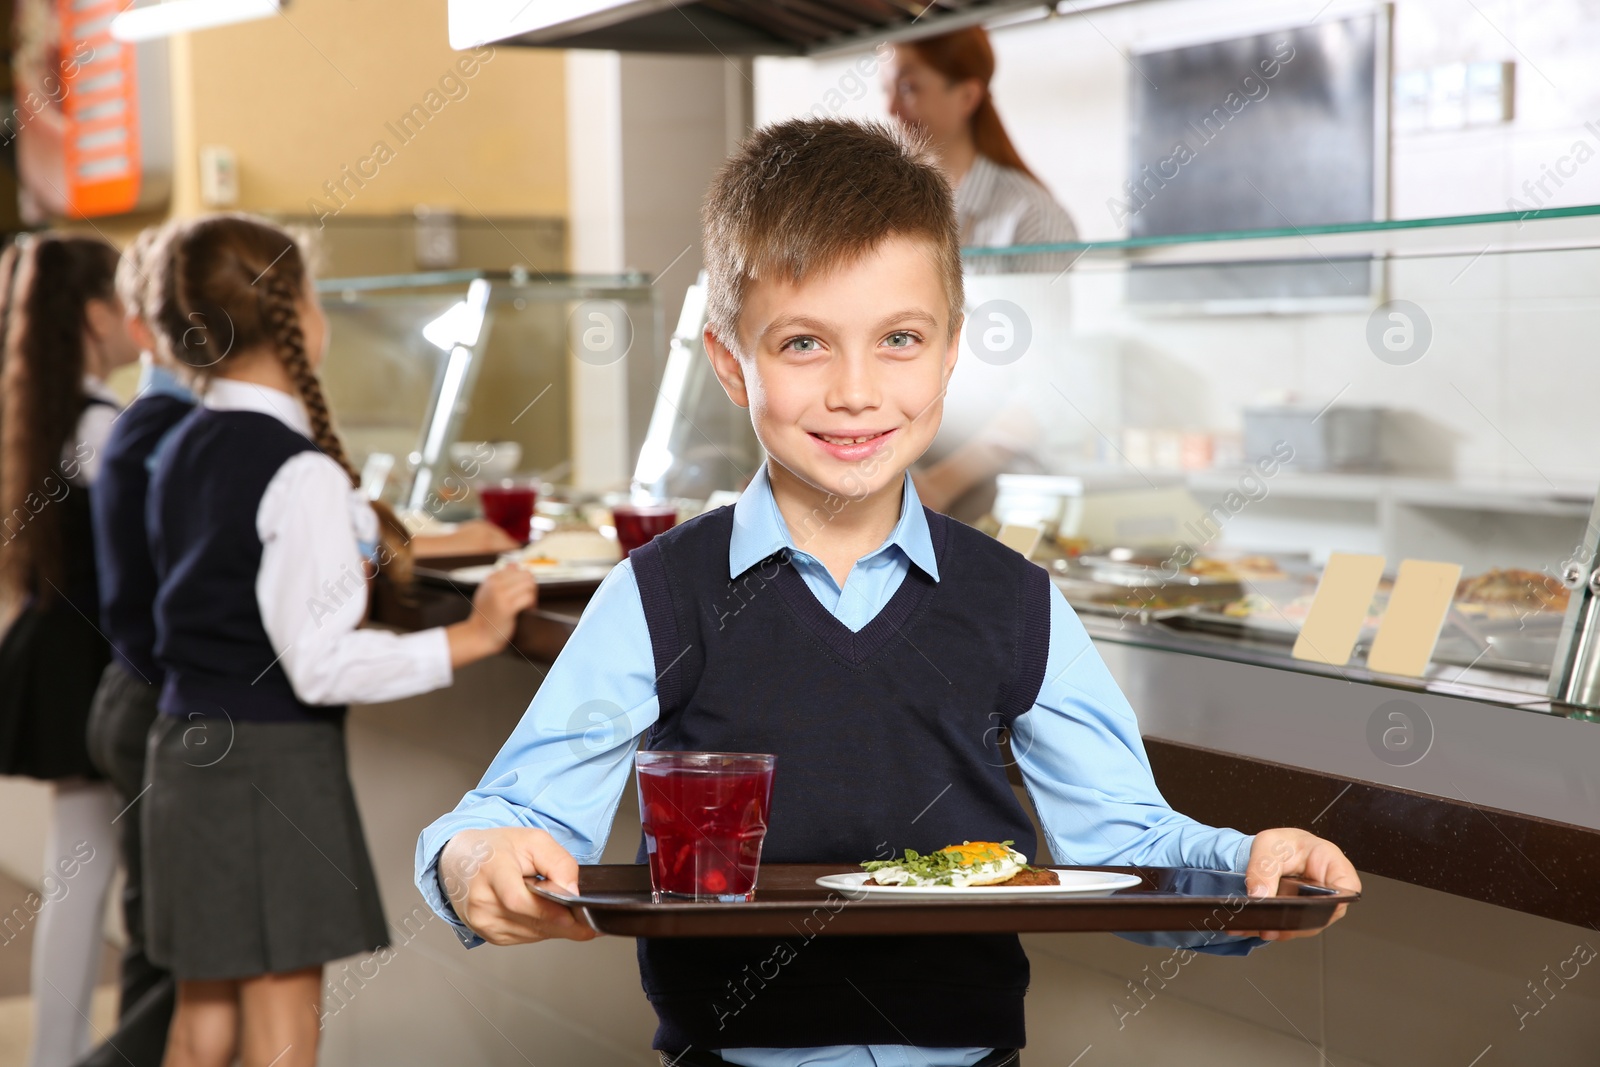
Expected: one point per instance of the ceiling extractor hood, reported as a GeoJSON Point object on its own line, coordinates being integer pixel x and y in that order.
{"type": "Point", "coordinates": [730, 27]}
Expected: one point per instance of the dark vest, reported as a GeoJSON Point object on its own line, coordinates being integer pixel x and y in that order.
{"type": "Point", "coordinates": [204, 495]}
{"type": "Point", "coordinates": [122, 547]}
{"type": "Point", "coordinates": [885, 739]}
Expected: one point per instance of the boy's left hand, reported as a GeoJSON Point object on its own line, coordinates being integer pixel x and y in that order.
{"type": "Point", "coordinates": [1286, 853]}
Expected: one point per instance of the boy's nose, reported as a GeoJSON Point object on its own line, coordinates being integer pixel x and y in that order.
{"type": "Point", "coordinates": [853, 385]}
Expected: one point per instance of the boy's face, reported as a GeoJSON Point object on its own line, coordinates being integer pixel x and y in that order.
{"type": "Point", "coordinates": [844, 373]}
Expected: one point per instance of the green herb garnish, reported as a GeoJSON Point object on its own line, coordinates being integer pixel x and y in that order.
{"type": "Point", "coordinates": [936, 867]}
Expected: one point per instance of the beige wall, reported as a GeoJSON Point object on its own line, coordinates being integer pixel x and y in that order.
{"type": "Point", "coordinates": [299, 97]}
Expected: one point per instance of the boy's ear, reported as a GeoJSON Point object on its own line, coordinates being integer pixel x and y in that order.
{"type": "Point", "coordinates": [954, 348]}
{"type": "Point", "coordinates": [728, 369]}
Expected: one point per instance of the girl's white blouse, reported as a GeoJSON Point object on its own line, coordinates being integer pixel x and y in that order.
{"type": "Point", "coordinates": [312, 585]}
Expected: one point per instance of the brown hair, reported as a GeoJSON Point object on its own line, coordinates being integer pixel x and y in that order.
{"type": "Point", "coordinates": [46, 283]}
{"type": "Point", "coordinates": [967, 54]}
{"type": "Point", "coordinates": [134, 268]}
{"type": "Point", "coordinates": [806, 195]}
{"type": "Point", "coordinates": [233, 283]}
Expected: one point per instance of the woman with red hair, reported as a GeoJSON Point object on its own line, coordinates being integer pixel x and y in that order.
{"type": "Point", "coordinates": [939, 86]}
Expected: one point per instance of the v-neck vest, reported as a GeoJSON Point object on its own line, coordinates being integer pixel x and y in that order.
{"type": "Point", "coordinates": [886, 739]}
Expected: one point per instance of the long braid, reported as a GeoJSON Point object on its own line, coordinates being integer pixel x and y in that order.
{"type": "Point", "coordinates": [282, 316]}
{"type": "Point", "coordinates": [227, 284]}
{"type": "Point", "coordinates": [283, 321]}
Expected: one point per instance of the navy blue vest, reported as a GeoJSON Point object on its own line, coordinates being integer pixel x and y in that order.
{"type": "Point", "coordinates": [121, 545]}
{"type": "Point", "coordinates": [885, 739]}
{"type": "Point", "coordinates": [204, 496]}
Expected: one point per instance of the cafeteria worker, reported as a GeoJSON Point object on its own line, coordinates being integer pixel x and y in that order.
{"type": "Point", "coordinates": [939, 87]}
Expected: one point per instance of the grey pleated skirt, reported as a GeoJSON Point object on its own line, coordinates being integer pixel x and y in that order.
{"type": "Point", "coordinates": [255, 862]}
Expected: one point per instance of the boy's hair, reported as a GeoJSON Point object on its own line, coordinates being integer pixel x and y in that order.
{"type": "Point", "coordinates": [802, 197]}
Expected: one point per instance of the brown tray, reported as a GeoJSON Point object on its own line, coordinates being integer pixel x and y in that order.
{"type": "Point", "coordinates": [615, 899]}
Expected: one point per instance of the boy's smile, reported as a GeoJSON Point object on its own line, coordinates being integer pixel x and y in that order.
{"type": "Point", "coordinates": [844, 372]}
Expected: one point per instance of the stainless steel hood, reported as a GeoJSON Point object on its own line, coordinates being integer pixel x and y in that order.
{"type": "Point", "coordinates": [728, 27]}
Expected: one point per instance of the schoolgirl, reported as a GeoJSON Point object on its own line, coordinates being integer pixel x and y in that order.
{"type": "Point", "coordinates": [256, 870]}
{"type": "Point", "coordinates": [64, 332]}
{"type": "Point", "coordinates": [125, 704]}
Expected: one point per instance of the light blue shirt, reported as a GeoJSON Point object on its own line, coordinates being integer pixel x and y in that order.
{"type": "Point", "coordinates": [159, 381]}
{"type": "Point", "coordinates": [566, 765]}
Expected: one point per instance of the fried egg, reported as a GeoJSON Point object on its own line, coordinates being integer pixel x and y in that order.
{"type": "Point", "coordinates": [981, 863]}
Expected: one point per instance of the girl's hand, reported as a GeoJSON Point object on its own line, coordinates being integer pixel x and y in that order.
{"type": "Point", "coordinates": [483, 872]}
{"type": "Point", "coordinates": [504, 595]}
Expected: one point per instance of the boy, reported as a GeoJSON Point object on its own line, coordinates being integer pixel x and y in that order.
{"type": "Point", "coordinates": [875, 647]}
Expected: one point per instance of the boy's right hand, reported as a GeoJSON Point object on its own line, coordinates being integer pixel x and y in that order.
{"type": "Point", "coordinates": [482, 872]}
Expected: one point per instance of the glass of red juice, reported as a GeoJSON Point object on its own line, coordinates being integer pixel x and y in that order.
{"type": "Point", "coordinates": [705, 817]}
{"type": "Point", "coordinates": [638, 523]}
{"type": "Point", "coordinates": [509, 503]}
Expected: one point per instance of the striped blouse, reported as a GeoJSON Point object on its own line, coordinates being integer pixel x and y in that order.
{"type": "Point", "coordinates": [999, 206]}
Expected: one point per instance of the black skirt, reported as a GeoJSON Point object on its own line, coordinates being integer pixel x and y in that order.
{"type": "Point", "coordinates": [255, 862]}
{"type": "Point", "coordinates": [51, 659]}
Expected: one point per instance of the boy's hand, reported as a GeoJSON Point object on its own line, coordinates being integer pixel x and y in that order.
{"type": "Point", "coordinates": [1288, 852]}
{"type": "Point", "coordinates": [482, 872]}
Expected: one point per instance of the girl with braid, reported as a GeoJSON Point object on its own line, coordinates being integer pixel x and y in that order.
{"type": "Point", "coordinates": [257, 872]}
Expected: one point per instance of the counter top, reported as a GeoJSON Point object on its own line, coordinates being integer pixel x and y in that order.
{"type": "Point", "coordinates": [1502, 806]}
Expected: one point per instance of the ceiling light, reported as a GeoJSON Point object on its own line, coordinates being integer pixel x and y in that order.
{"type": "Point", "coordinates": [181, 16]}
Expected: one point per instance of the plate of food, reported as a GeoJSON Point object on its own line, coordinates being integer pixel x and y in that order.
{"type": "Point", "coordinates": [971, 869]}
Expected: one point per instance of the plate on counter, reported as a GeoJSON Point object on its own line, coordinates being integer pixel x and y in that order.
{"type": "Point", "coordinates": [545, 572]}
{"type": "Point", "coordinates": [1071, 882]}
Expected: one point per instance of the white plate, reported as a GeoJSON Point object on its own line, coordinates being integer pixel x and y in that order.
{"type": "Point", "coordinates": [1072, 883]}
{"type": "Point", "coordinates": [546, 572]}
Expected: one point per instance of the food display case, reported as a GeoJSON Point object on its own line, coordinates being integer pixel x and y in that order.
{"type": "Point", "coordinates": [444, 378]}
{"type": "Point", "coordinates": [1197, 432]}
{"type": "Point", "coordinates": [1408, 409]}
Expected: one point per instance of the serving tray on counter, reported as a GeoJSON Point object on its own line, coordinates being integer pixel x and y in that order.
{"type": "Point", "coordinates": [615, 899]}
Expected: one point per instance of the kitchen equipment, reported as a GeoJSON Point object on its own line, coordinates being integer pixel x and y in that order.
{"type": "Point", "coordinates": [1334, 439]}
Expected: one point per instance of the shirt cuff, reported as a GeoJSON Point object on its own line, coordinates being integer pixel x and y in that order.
{"type": "Point", "coordinates": [430, 846]}
{"type": "Point", "coordinates": [1241, 855]}
{"type": "Point", "coordinates": [432, 651]}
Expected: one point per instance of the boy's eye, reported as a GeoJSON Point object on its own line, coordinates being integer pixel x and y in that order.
{"type": "Point", "coordinates": [901, 339]}
{"type": "Point", "coordinates": [802, 344]}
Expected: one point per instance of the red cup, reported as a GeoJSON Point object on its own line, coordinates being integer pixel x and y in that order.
{"type": "Point", "coordinates": [509, 503]}
{"type": "Point", "coordinates": [705, 818]}
{"type": "Point", "coordinates": [638, 523]}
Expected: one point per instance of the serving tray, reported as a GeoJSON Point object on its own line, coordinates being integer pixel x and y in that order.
{"type": "Point", "coordinates": [615, 899]}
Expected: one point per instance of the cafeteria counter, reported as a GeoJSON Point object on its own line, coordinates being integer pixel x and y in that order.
{"type": "Point", "coordinates": [1487, 800]}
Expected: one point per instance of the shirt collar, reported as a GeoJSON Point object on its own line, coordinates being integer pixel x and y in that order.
{"type": "Point", "coordinates": [97, 389]}
{"type": "Point", "coordinates": [156, 380]}
{"type": "Point", "coordinates": [227, 394]}
{"type": "Point", "coordinates": [759, 530]}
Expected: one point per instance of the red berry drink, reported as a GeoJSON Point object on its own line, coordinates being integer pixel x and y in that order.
{"type": "Point", "coordinates": [509, 504]}
{"type": "Point", "coordinates": [638, 523]}
{"type": "Point", "coordinates": [704, 817]}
